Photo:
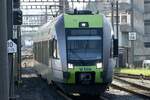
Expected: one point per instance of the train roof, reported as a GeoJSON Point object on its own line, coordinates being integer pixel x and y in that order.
{"type": "Point", "coordinates": [70, 21]}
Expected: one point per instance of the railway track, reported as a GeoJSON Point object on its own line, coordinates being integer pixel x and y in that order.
{"type": "Point", "coordinates": [80, 97]}
{"type": "Point", "coordinates": [132, 76]}
{"type": "Point", "coordinates": [125, 85]}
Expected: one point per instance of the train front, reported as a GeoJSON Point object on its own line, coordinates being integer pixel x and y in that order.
{"type": "Point", "coordinates": [85, 57]}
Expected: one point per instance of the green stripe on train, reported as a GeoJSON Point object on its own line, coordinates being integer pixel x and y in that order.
{"type": "Point", "coordinates": [72, 21]}
{"type": "Point", "coordinates": [98, 73]}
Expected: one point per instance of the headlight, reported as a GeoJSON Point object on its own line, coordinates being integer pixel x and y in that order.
{"type": "Point", "coordinates": [99, 65]}
{"type": "Point", "coordinates": [70, 66]}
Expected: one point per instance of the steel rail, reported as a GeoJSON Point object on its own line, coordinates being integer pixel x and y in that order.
{"type": "Point", "coordinates": [134, 89]}
{"type": "Point", "coordinates": [132, 76]}
{"type": "Point", "coordinates": [103, 98]}
{"type": "Point", "coordinates": [63, 95]}
{"type": "Point", "coordinates": [133, 84]}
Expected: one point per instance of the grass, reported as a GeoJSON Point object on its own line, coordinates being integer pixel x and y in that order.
{"type": "Point", "coordinates": [138, 71]}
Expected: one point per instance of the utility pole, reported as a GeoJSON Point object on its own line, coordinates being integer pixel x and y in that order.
{"type": "Point", "coordinates": [64, 5]}
{"type": "Point", "coordinates": [46, 15]}
{"type": "Point", "coordinates": [4, 71]}
{"type": "Point", "coordinates": [132, 29]}
{"type": "Point", "coordinates": [72, 4]}
{"type": "Point", "coordinates": [117, 29]}
{"type": "Point", "coordinates": [112, 14]}
{"type": "Point", "coordinates": [61, 6]}
{"type": "Point", "coordinates": [17, 21]}
{"type": "Point", "coordinates": [19, 54]}
{"type": "Point", "coordinates": [10, 55]}
{"type": "Point", "coordinates": [117, 21]}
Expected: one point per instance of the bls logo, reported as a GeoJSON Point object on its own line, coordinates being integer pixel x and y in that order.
{"type": "Point", "coordinates": [85, 69]}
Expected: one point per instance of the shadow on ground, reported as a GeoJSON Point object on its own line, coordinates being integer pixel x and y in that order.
{"type": "Point", "coordinates": [35, 88]}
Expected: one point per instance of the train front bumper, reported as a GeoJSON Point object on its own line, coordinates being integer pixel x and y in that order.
{"type": "Point", "coordinates": [83, 73]}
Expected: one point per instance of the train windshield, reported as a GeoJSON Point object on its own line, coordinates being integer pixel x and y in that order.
{"type": "Point", "coordinates": [84, 46]}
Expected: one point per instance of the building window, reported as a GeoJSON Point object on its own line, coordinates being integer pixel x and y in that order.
{"type": "Point", "coordinates": [147, 44]}
{"type": "Point", "coordinates": [124, 19]}
{"type": "Point", "coordinates": [147, 29]}
{"type": "Point", "coordinates": [147, 22]}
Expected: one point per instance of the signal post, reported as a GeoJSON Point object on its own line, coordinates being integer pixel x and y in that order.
{"type": "Point", "coordinates": [4, 71]}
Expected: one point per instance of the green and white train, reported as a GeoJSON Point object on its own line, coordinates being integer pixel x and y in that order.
{"type": "Point", "coordinates": [75, 52]}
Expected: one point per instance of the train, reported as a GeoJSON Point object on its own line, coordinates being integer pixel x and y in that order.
{"type": "Point", "coordinates": [76, 52]}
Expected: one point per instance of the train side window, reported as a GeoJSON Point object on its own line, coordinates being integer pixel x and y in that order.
{"type": "Point", "coordinates": [58, 56]}
{"type": "Point", "coordinates": [55, 50]}
{"type": "Point", "coordinates": [50, 48]}
{"type": "Point", "coordinates": [35, 51]}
